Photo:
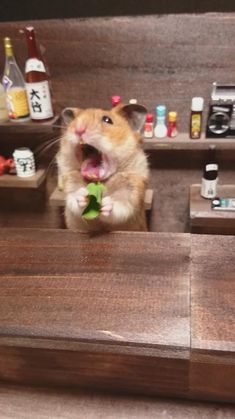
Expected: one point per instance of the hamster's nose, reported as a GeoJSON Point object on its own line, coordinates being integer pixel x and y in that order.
{"type": "Point", "coordinates": [80, 131]}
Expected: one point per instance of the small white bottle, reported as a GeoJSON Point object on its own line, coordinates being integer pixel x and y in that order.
{"type": "Point", "coordinates": [160, 130]}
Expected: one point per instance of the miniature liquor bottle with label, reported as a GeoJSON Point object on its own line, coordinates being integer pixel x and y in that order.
{"type": "Point", "coordinates": [14, 85]}
{"type": "Point", "coordinates": [37, 81]}
{"type": "Point", "coordinates": [210, 175]}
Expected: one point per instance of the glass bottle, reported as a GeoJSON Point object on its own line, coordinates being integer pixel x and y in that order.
{"type": "Point", "coordinates": [14, 86]}
{"type": "Point", "coordinates": [3, 105]}
{"type": "Point", "coordinates": [210, 175]}
{"type": "Point", "coordinates": [160, 130]}
{"type": "Point", "coordinates": [37, 81]}
{"type": "Point", "coordinates": [196, 118]}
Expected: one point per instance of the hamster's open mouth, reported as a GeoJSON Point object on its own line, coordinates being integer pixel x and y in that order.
{"type": "Point", "coordinates": [95, 165]}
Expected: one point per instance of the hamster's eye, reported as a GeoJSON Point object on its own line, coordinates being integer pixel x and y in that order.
{"type": "Point", "coordinates": [107, 120]}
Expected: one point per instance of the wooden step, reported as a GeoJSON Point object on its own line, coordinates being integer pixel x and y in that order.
{"type": "Point", "coordinates": [146, 313]}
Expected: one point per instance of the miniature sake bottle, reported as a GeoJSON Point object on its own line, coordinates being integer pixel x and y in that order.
{"type": "Point", "coordinates": [160, 130]}
{"type": "Point", "coordinates": [14, 86]}
{"type": "Point", "coordinates": [3, 105]}
{"type": "Point", "coordinates": [37, 81]}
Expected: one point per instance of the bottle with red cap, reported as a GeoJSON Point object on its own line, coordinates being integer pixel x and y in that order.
{"type": "Point", "coordinates": [115, 100]}
{"type": "Point", "coordinates": [37, 81]}
{"type": "Point", "coordinates": [148, 126]}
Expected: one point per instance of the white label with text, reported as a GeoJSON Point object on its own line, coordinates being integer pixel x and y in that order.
{"type": "Point", "coordinates": [39, 99]}
{"type": "Point", "coordinates": [34, 64]}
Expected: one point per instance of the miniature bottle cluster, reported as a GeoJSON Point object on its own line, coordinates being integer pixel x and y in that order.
{"type": "Point", "coordinates": [26, 97]}
{"type": "Point", "coordinates": [164, 126]}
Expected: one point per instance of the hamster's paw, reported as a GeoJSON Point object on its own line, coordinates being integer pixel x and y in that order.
{"type": "Point", "coordinates": [77, 200]}
{"type": "Point", "coordinates": [106, 206]}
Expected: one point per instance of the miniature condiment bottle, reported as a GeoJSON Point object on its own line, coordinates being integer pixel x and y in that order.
{"type": "Point", "coordinates": [115, 100]}
{"type": "Point", "coordinates": [133, 101]}
{"type": "Point", "coordinates": [160, 130]}
{"type": "Point", "coordinates": [172, 128]}
{"type": "Point", "coordinates": [196, 118]}
{"type": "Point", "coordinates": [148, 126]}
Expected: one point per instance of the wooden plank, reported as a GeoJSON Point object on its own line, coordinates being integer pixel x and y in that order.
{"type": "Point", "coordinates": [183, 143]}
{"type": "Point", "coordinates": [13, 181]}
{"type": "Point", "coordinates": [212, 371]}
{"type": "Point", "coordinates": [93, 313]}
{"type": "Point", "coordinates": [57, 198]}
{"type": "Point", "coordinates": [207, 220]}
{"type": "Point", "coordinates": [28, 127]}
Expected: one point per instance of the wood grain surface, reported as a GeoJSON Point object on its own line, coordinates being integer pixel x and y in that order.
{"type": "Point", "coordinates": [13, 181]}
{"type": "Point", "coordinates": [114, 312]}
{"type": "Point", "coordinates": [205, 220]}
{"type": "Point", "coordinates": [212, 372]}
{"type": "Point", "coordinates": [86, 311]}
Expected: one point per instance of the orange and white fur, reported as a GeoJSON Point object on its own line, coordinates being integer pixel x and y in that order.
{"type": "Point", "coordinates": [104, 146]}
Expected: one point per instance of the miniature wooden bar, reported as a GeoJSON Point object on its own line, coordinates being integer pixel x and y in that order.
{"type": "Point", "coordinates": [85, 312]}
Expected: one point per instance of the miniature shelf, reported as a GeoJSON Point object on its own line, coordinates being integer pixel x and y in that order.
{"type": "Point", "coordinates": [183, 142]}
{"type": "Point", "coordinates": [13, 181]}
{"type": "Point", "coordinates": [29, 126]}
{"type": "Point", "coordinates": [205, 220]}
{"type": "Point", "coordinates": [57, 198]}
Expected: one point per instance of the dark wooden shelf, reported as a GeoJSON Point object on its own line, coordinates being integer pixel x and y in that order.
{"type": "Point", "coordinates": [13, 181]}
{"type": "Point", "coordinates": [205, 220]}
{"type": "Point", "coordinates": [29, 126]}
{"type": "Point", "coordinates": [183, 142]}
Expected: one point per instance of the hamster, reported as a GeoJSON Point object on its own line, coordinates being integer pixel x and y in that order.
{"type": "Point", "coordinates": [104, 146]}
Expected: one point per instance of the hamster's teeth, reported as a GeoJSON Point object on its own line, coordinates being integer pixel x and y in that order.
{"type": "Point", "coordinates": [81, 141]}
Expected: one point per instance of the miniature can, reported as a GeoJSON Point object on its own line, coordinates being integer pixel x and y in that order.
{"type": "Point", "coordinates": [24, 162]}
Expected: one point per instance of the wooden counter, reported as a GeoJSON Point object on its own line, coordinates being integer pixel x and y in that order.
{"type": "Point", "coordinates": [114, 312]}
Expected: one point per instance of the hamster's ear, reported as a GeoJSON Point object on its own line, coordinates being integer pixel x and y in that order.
{"type": "Point", "coordinates": [68, 114]}
{"type": "Point", "coordinates": [135, 115]}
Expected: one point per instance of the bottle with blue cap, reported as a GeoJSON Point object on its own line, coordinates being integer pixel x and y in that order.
{"type": "Point", "coordinates": [160, 130]}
